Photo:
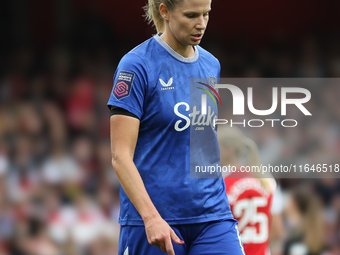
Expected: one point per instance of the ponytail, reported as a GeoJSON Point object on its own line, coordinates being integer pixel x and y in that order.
{"type": "Point", "coordinates": [253, 159]}
{"type": "Point", "coordinates": [152, 14]}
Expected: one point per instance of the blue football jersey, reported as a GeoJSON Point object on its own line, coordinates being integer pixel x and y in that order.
{"type": "Point", "coordinates": [156, 84]}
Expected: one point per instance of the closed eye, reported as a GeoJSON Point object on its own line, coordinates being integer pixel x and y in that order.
{"type": "Point", "coordinates": [190, 16]}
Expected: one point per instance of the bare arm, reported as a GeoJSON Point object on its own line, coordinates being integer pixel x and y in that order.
{"type": "Point", "coordinates": [124, 134]}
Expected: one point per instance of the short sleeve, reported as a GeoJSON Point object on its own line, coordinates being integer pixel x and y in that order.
{"type": "Point", "coordinates": [129, 85]}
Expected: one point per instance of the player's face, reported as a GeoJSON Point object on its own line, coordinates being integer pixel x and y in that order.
{"type": "Point", "coordinates": [188, 21]}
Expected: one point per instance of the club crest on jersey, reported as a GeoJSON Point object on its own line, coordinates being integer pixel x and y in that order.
{"type": "Point", "coordinates": [123, 85]}
{"type": "Point", "coordinates": [212, 81]}
{"type": "Point", "coordinates": [167, 86]}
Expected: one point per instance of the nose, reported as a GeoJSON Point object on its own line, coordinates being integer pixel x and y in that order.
{"type": "Point", "coordinates": [201, 23]}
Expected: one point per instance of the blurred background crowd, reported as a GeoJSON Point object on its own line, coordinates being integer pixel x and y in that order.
{"type": "Point", "coordinates": [58, 192]}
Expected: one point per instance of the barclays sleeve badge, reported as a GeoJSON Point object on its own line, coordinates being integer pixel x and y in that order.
{"type": "Point", "coordinates": [123, 85]}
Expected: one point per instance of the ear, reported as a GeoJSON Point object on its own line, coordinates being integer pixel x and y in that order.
{"type": "Point", "coordinates": [164, 11]}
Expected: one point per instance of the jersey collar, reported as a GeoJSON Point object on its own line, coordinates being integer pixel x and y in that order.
{"type": "Point", "coordinates": [174, 53]}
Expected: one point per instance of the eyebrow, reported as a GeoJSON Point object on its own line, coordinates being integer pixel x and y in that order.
{"type": "Point", "coordinates": [194, 13]}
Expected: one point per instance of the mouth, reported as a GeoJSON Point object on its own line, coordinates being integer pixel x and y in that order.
{"type": "Point", "coordinates": [197, 37]}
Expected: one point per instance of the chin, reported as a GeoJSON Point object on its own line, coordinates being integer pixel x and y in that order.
{"type": "Point", "coordinates": [196, 43]}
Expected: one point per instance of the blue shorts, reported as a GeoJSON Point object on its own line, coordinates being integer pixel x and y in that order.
{"type": "Point", "coordinates": [217, 237]}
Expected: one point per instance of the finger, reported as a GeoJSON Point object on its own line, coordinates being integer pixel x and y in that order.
{"type": "Point", "coordinates": [161, 246]}
{"type": "Point", "coordinates": [175, 238]}
{"type": "Point", "coordinates": [168, 246]}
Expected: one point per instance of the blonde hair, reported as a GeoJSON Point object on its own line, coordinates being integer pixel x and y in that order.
{"type": "Point", "coordinates": [309, 205]}
{"type": "Point", "coordinates": [153, 15]}
{"type": "Point", "coordinates": [233, 138]}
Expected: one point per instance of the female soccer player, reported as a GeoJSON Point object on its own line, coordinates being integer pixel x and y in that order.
{"type": "Point", "coordinates": [250, 197]}
{"type": "Point", "coordinates": [163, 209]}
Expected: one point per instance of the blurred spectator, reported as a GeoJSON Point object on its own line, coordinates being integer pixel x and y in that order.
{"type": "Point", "coordinates": [304, 221]}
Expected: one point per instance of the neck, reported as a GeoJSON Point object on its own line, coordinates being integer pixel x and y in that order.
{"type": "Point", "coordinates": [186, 51]}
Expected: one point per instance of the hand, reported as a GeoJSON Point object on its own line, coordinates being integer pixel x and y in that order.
{"type": "Point", "coordinates": [160, 234]}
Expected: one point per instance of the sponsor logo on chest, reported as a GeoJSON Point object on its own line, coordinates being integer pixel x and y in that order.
{"type": "Point", "coordinates": [168, 85]}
